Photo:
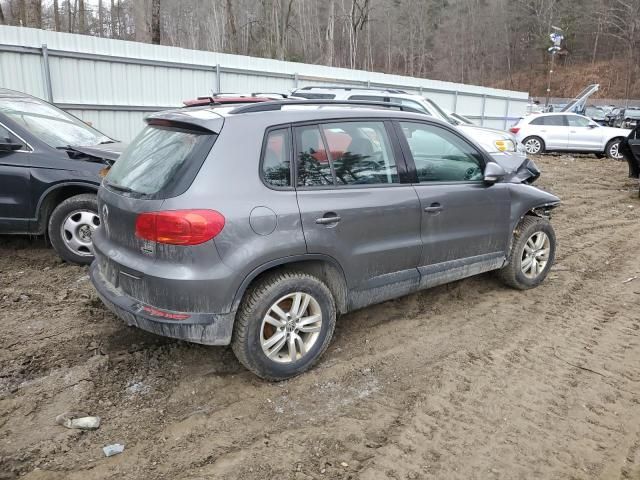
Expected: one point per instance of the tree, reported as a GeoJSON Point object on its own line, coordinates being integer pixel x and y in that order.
{"type": "Point", "coordinates": [155, 22]}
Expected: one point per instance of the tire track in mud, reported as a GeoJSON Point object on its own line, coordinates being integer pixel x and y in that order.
{"type": "Point", "coordinates": [462, 381]}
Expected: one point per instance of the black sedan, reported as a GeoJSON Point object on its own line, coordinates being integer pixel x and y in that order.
{"type": "Point", "coordinates": [50, 165]}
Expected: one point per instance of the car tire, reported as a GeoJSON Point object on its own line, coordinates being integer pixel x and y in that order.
{"type": "Point", "coordinates": [528, 264]}
{"type": "Point", "coordinates": [612, 150]}
{"type": "Point", "coordinates": [255, 339]}
{"type": "Point", "coordinates": [533, 145]}
{"type": "Point", "coordinates": [71, 226]}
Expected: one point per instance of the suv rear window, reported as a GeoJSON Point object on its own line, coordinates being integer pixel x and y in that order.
{"type": "Point", "coordinates": [161, 162]}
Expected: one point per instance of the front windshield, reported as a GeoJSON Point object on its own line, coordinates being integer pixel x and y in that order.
{"type": "Point", "coordinates": [50, 124]}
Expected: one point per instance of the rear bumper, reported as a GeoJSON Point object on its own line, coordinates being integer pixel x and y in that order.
{"type": "Point", "coordinates": [205, 328]}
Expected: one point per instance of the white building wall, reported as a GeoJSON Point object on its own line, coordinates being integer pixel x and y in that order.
{"type": "Point", "coordinates": [114, 83]}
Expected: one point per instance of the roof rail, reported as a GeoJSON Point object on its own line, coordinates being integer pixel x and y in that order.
{"type": "Point", "coordinates": [338, 87]}
{"type": "Point", "coordinates": [278, 104]}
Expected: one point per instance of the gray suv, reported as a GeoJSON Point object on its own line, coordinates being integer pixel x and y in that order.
{"type": "Point", "coordinates": [257, 225]}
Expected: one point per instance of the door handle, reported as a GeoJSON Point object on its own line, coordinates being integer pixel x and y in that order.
{"type": "Point", "coordinates": [433, 208]}
{"type": "Point", "coordinates": [328, 219]}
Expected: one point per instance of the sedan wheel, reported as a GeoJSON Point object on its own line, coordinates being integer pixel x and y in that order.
{"type": "Point", "coordinates": [533, 145]}
{"type": "Point", "coordinates": [535, 255]}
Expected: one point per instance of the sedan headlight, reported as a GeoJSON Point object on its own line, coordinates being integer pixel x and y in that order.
{"type": "Point", "coordinates": [505, 145]}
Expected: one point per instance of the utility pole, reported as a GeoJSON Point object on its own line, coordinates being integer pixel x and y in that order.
{"type": "Point", "coordinates": [556, 38]}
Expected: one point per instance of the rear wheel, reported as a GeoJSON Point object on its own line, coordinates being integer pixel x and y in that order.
{"type": "Point", "coordinates": [71, 228]}
{"type": "Point", "coordinates": [533, 145]}
{"type": "Point", "coordinates": [284, 325]}
{"type": "Point", "coordinates": [613, 149]}
{"type": "Point", "coordinates": [532, 254]}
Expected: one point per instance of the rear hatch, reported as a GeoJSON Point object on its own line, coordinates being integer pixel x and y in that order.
{"type": "Point", "coordinates": [160, 163]}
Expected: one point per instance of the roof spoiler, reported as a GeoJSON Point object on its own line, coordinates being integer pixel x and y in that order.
{"type": "Point", "coordinates": [205, 120]}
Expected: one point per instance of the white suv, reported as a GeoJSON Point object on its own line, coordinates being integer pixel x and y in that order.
{"type": "Point", "coordinates": [491, 139]}
{"type": "Point", "coordinates": [546, 132]}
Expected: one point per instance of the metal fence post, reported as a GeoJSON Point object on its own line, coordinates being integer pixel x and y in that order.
{"type": "Point", "coordinates": [484, 104]}
{"type": "Point", "coordinates": [47, 72]}
{"type": "Point", "coordinates": [295, 80]}
{"type": "Point", "coordinates": [455, 102]}
{"type": "Point", "coordinates": [218, 78]}
{"type": "Point", "coordinates": [368, 83]}
{"type": "Point", "coordinates": [506, 114]}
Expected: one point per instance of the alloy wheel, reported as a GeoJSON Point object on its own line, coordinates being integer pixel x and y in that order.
{"type": "Point", "coordinates": [614, 151]}
{"type": "Point", "coordinates": [535, 255]}
{"type": "Point", "coordinates": [291, 327]}
{"type": "Point", "coordinates": [533, 146]}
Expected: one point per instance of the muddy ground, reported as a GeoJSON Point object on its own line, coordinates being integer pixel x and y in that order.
{"type": "Point", "coordinates": [467, 381]}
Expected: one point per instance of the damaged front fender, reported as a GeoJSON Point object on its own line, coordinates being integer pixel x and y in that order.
{"type": "Point", "coordinates": [518, 168]}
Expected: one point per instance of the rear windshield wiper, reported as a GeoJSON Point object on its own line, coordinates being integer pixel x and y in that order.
{"type": "Point", "coordinates": [120, 188]}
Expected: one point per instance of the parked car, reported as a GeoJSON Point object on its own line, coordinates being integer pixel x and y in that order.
{"type": "Point", "coordinates": [491, 139]}
{"type": "Point", "coordinates": [610, 117]}
{"type": "Point", "coordinates": [257, 225]}
{"type": "Point", "coordinates": [627, 118]}
{"type": "Point", "coordinates": [547, 132]}
{"type": "Point", "coordinates": [596, 114]}
{"type": "Point", "coordinates": [630, 148]}
{"type": "Point", "coordinates": [49, 174]}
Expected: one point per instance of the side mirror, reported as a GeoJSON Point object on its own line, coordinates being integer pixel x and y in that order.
{"type": "Point", "coordinates": [592, 125]}
{"type": "Point", "coordinates": [493, 173]}
{"type": "Point", "coordinates": [8, 146]}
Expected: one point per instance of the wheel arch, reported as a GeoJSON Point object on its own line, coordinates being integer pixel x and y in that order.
{"type": "Point", "coordinates": [54, 195]}
{"type": "Point", "coordinates": [323, 267]}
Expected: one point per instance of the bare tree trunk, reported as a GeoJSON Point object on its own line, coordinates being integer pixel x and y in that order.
{"type": "Point", "coordinates": [56, 15]}
{"type": "Point", "coordinates": [114, 32]}
{"type": "Point", "coordinates": [100, 19]}
{"type": "Point", "coordinates": [22, 12]}
{"type": "Point", "coordinates": [231, 24]}
{"type": "Point", "coordinates": [82, 22]}
{"type": "Point", "coordinates": [34, 14]}
{"type": "Point", "coordinates": [2, 19]}
{"type": "Point", "coordinates": [69, 17]}
{"type": "Point", "coordinates": [155, 22]}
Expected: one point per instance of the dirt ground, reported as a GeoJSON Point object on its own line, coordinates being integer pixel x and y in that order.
{"type": "Point", "coordinates": [467, 381]}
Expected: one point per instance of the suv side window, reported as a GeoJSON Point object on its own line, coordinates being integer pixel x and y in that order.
{"type": "Point", "coordinates": [537, 121]}
{"type": "Point", "coordinates": [313, 163]}
{"type": "Point", "coordinates": [345, 153]}
{"type": "Point", "coordinates": [276, 163]}
{"type": "Point", "coordinates": [360, 153]}
{"type": "Point", "coordinates": [555, 120]}
{"type": "Point", "coordinates": [441, 156]}
{"type": "Point", "coordinates": [575, 121]}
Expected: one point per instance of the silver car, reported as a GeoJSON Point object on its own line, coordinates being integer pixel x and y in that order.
{"type": "Point", "coordinates": [491, 139]}
{"type": "Point", "coordinates": [257, 225]}
{"type": "Point", "coordinates": [548, 132]}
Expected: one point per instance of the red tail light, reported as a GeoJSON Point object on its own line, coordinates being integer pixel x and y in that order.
{"type": "Point", "coordinates": [179, 227]}
{"type": "Point", "coordinates": [514, 129]}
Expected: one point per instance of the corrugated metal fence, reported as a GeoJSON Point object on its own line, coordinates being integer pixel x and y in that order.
{"type": "Point", "coordinates": [114, 83]}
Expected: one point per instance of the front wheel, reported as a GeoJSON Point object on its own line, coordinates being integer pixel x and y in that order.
{"type": "Point", "coordinates": [71, 228]}
{"type": "Point", "coordinates": [533, 145]}
{"type": "Point", "coordinates": [284, 325]}
{"type": "Point", "coordinates": [613, 149]}
{"type": "Point", "coordinates": [532, 254]}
